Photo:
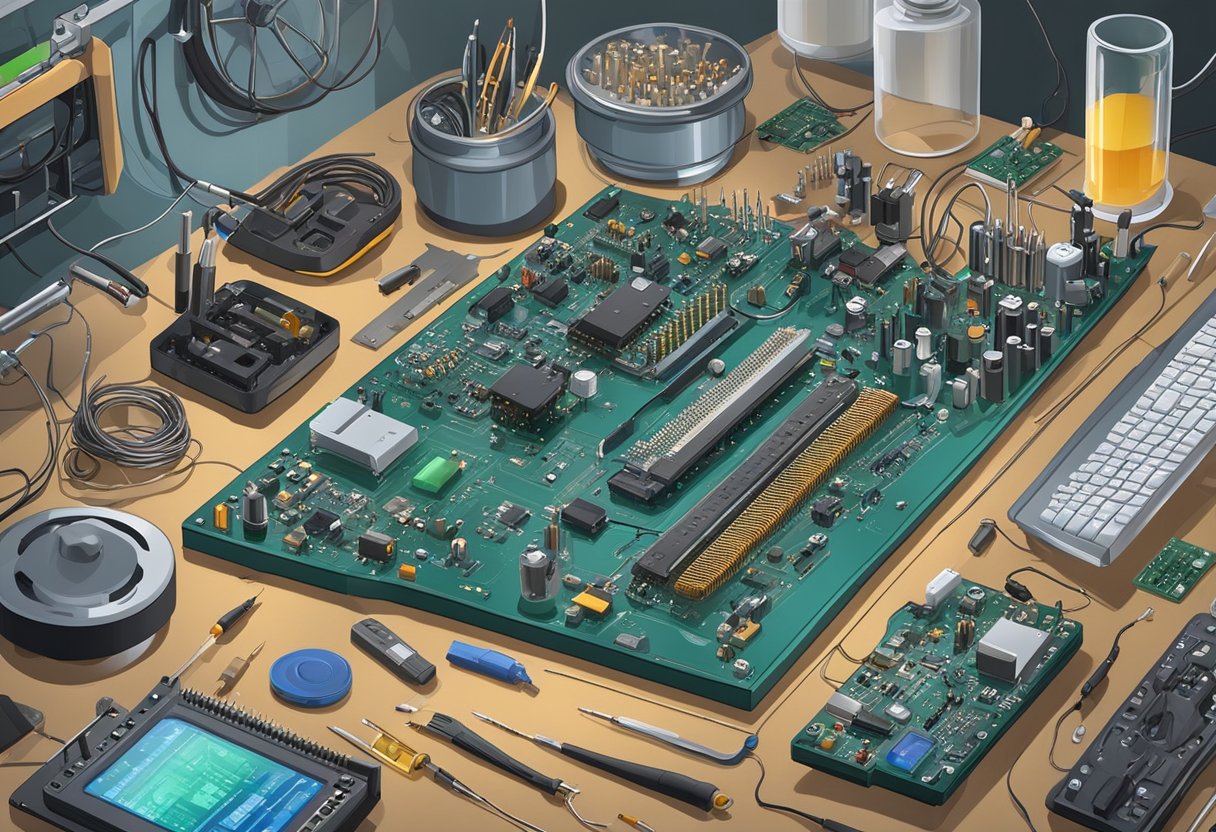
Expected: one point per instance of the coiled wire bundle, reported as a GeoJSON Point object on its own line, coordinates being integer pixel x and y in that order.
{"type": "Point", "coordinates": [160, 445]}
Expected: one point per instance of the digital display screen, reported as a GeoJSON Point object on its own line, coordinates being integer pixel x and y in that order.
{"type": "Point", "coordinates": [185, 779]}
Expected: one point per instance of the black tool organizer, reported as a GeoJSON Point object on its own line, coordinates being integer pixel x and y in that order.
{"type": "Point", "coordinates": [241, 357]}
{"type": "Point", "coordinates": [1137, 768]}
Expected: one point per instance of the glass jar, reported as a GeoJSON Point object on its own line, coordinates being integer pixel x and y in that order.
{"type": "Point", "coordinates": [828, 30]}
{"type": "Point", "coordinates": [1128, 73]}
{"type": "Point", "coordinates": [926, 75]}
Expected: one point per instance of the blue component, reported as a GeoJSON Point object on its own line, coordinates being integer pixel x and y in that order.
{"type": "Point", "coordinates": [910, 751]}
{"type": "Point", "coordinates": [488, 663]}
{"type": "Point", "coordinates": [311, 678]}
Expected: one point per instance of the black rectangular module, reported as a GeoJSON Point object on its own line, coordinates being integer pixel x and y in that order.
{"type": "Point", "coordinates": [524, 395]}
{"type": "Point", "coordinates": [602, 208]}
{"type": "Point", "coordinates": [585, 516]}
{"type": "Point", "coordinates": [376, 546]}
{"type": "Point", "coordinates": [619, 318]}
{"type": "Point", "coordinates": [494, 304]}
{"type": "Point", "coordinates": [881, 263]}
{"type": "Point", "coordinates": [552, 292]}
{"type": "Point", "coordinates": [851, 260]}
{"type": "Point", "coordinates": [683, 541]}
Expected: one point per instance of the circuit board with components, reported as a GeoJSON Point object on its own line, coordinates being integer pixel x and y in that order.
{"type": "Point", "coordinates": [669, 437]}
{"type": "Point", "coordinates": [802, 126]}
{"type": "Point", "coordinates": [1006, 160]}
{"type": "Point", "coordinates": [1175, 570]}
{"type": "Point", "coordinates": [950, 676]}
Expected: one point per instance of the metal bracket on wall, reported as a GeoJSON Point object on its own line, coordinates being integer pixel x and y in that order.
{"type": "Point", "coordinates": [443, 273]}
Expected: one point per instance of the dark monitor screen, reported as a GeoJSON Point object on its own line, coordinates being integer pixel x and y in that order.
{"type": "Point", "coordinates": [183, 778]}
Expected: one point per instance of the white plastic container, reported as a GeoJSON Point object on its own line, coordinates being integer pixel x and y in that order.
{"type": "Point", "coordinates": [828, 30]}
{"type": "Point", "coordinates": [926, 75]}
{"type": "Point", "coordinates": [1128, 74]}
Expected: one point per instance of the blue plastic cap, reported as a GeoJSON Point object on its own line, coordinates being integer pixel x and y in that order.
{"type": "Point", "coordinates": [488, 662]}
{"type": "Point", "coordinates": [311, 678]}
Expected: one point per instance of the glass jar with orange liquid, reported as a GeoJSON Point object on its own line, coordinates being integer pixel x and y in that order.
{"type": "Point", "coordinates": [1129, 68]}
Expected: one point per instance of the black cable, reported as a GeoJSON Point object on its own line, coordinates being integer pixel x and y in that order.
{"type": "Point", "coordinates": [21, 260]}
{"type": "Point", "coordinates": [213, 78]}
{"type": "Point", "coordinates": [818, 99]}
{"type": "Point", "coordinates": [1021, 592]}
{"type": "Point", "coordinates": [824, 823]}
{"type": "Point", "coordinates": [1160, 225]}
{"type": "Point", "coordinates": [1061, 87]}
{"type": "Point", "coordinates": [1190, 134]}
{"type": "Point", "coordinates": [138, 287]}
{"type": "Point", "coordinates": [1017, 803]}
{"type": "Point", "coordinates": [127, 445]}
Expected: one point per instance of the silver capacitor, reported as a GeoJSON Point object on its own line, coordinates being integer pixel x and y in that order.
{"type": "Point", "coordinates": [584, 383]}
{"type": "Point", "coordinates": [539, 577]}
{"type": "Point", "coordinates": [972, 376]}
{"type": "Point", "coordinates": [960, 393]}
{"type": "Point", "coordinates": [931, 380]}
{"type": "Point", "coordinates": [1013, 362]}
{"type": "Point", "coordinates": [977, 248]}
{"type": "Point", "coordinates": [1028, 356]}
{"type": "Point", "coordinates": [901, 357]}
{"type": "Point", "coordinates": [1063, 264]}
{"type": "Point", "coordinates": [992, 379]}
{"type": "Point", "coordinates": [856, 314]}
{"type": "Point", "coordinates": [924, 343]}
{"type": "Point", "coordinates": [1047, 339]}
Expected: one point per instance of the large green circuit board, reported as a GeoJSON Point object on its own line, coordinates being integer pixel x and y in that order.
{"type": "Point", "coordinates": [490, 472]}
{"type": "Point", "coordinates": [924, 708]}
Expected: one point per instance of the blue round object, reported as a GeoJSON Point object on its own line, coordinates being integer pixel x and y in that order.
{"type": "Point", "coordinates": [311, 678]}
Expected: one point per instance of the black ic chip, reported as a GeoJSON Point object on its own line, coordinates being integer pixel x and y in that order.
{"type": "Point", "coordinates": [602, 208]}
{"type": "Point", "coordinates": [584, 516]}
{"type": "Point", "coordinates": [619, 318]}
{"type": "Point", "coordinates": [525, 395]}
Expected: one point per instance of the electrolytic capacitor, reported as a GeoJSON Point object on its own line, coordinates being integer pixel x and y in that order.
{"type": "Point", "coordinates": [992, 378]}
{"type": "Point", "coordinates": [1013, 363]}
{"type": "Point", "coordinates": [886, 338]}
{"type": "Point", "coordinates": [960, 393]}
{"type": "Point", "coordinates": [1062, 264]}
{"type": "Point", "coordinates": [1027, 357]}
{"type": "Point", "coordinates": [1012, 318]}
{"type": "Point", "coordinates": [539, 578]}
{"type": "Point", "coordinates": [254, 518]}
{"type": "Point", "coordinates": [901, 358]}
{"type": "Point", "coordinates": [1032, 340]}
{"type": "Point", "coordinates": [584, 383]}
{"type": "Point", "coordinates": [977, 248]}
{"type": "Point", "coordinates": [935, 308]}
{"type": "Point", "coordinates": [553, 538]}
{"type": "Point", "coordinates": [972, 377]}
{"type": "Point", "coordinates": [958, 352]}
{"type": "Point", "coordinates": [459, 550]}
{"type": "Point", "coordinates": [931, 380]}
{"type": "Point", "coordinates": [856, 314]}
{"type": "Point", "coordinates": [1047, 336]}
{"type": "Point", "coordinates": [924, 343]}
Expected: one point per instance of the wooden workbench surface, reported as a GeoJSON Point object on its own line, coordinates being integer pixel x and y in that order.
{"type": "Point", "coordinates": [293, 616]}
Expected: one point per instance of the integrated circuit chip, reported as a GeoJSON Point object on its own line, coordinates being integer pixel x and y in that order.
{"type": "Point", "coordinates": [524, 396]}
{"type": "Point", "coordinates": [619, 318]}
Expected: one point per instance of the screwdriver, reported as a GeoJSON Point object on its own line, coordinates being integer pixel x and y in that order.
{"type": "Point", "coordinates": [399, 756]}
{"type": "Point", "coordinates": [726, 758]}
{"type": "Point", "coordinates": [226, 622]}
{"type": "Point", "coordinates": [455, 732]}
{"type": "Point", "coordinates": [705, 796]}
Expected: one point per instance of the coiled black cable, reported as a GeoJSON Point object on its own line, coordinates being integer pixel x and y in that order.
{"type": "Point", "coordinates": [127, 445]}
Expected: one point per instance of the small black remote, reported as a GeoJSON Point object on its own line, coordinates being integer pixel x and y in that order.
{"type": "Point", "coordinates": [386, 647]}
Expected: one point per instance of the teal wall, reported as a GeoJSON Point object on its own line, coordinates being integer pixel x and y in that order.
{"type": "Point", "coordinates": [424, 37]}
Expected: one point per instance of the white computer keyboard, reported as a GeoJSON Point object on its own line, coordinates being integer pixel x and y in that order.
{"type": "Point", "coordinates": [1144, 440]}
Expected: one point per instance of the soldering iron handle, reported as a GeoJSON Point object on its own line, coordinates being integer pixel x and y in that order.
{"type": "Point", "coordinates": [678, 786]}
{"type": "Point", "coordinates": [462, 737]}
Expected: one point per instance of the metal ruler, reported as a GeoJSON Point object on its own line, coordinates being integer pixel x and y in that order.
{"type": "Point", "coordinates": [443, 273]}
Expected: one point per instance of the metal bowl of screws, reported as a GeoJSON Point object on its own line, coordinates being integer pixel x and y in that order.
{"type": "Point", "coordinates": [494, 184]}
{"type": "Point", "coordinates": [661, 102]}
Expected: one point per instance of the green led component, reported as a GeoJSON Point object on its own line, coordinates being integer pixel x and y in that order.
{"type": "Point", "coordinates": [436, 475]}
{"type": "Point", "coordinates": [927, 713]}
{"type": "Point", "coordinates": [1173, 573]}
{"type": "Point", "coordinates": [11, 70]}
{"type": "Point", "coordinates": [802, 126]}
{"type": "Point", "coordinates": [1006, 159]}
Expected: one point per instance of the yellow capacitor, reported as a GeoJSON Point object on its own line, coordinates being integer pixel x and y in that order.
{"type": "Point", "coordinates": [221, 515]}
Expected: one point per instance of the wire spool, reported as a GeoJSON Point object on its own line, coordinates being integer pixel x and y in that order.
{"type": "Point", "coordinates": [269, 57]}
{"type": "Point", "coordinates": [161, 444]}
{"type": "Point", "coordinates": [83, 583]}
{"type": "Point", "coordinates": [494, 185]}
{"type": "Point", "coordinates": [682, 141]}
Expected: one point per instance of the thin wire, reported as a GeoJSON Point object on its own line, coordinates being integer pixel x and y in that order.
{"type": "Point", "coordinates": [777, 807]}
{"type": "Point", "coordinates": [108, 240]}
{"type": "Point", "coordinates": [819, 99]}
{"type": "Point", "coordinates": [1196, 80]}
{"type": "Point", "coordinates": [1061, 87]}
{"type": "Point", "coordinates": [12, 249]}
{"type": "Point", "coordinates": [1017, 803]}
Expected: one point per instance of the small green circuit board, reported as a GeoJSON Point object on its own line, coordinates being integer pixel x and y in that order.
{"type": "Point", "coordinates": [803, 126]}
{"type": "Point", "coordinates": [1006, 160]}
{"type": "Point", "coordinates": [1175, 570]}
{"type": "Point", "coordinates": [950, 677]}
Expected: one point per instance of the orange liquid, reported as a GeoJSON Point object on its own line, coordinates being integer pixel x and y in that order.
{"type": "Point", "coordinates": [1122, 167]}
